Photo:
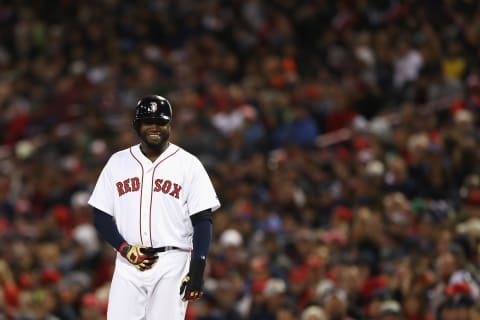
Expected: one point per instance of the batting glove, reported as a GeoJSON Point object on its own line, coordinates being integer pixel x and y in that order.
{"type": "Point", "coordinates": [138, 255]}
{"type": "Point", "coordinates": [192, 284]}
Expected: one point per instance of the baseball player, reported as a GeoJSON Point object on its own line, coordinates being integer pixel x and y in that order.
{"type": "Point", "coordinates": [153, 203]}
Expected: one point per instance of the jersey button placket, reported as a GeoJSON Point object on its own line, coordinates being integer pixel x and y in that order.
{"type": "Point", "coordinates": [147, 188]}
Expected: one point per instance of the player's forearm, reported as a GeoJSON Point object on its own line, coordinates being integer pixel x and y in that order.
{"type": "Point", "coordinates": [202, 233]}
{"type": "Point", "coordinates": [202, 236]}
{"type": "Point", "coordinates": [107, 229]}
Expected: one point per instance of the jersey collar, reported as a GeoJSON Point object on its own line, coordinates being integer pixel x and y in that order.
{"type": "Point", "coordinates": [146, 162]}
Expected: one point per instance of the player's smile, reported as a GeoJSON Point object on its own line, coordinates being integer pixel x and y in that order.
{"type": "Point", "coordinates": [155, 135]}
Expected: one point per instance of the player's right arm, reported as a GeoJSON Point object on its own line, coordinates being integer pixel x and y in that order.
{"type": "Point", "coordinates": [108, 231]}
{"type": "Point", "coordinates": [102, 201]}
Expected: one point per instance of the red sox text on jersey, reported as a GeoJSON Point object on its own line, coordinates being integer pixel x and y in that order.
{"type": "Point", "coordinates": [133, 185]}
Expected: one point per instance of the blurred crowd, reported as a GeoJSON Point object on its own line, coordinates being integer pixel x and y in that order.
{"type": "Point", "coordinates": [341, 137]}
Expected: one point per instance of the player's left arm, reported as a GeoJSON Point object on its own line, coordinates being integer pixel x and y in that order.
{"type": "Point", "coordinates": [192, 284]}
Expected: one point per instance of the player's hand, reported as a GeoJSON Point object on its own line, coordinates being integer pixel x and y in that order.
{"type": "Point", "coordinates": [192, 284]}
{"type": "Point", "coordinates": [139, 256]}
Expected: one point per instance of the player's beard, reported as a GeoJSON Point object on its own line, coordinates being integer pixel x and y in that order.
{"type": "Point", "coordinates": [156, 144]}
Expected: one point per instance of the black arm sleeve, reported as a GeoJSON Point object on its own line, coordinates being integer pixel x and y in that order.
{"type": "Point", "coordinates": [107, 229]}
{"type": "Point", "coordinates": [202, 233]}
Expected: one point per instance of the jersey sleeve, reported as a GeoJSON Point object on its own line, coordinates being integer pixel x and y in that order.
{"type": "Point", "coordinates": [201, 194]}
{"type": "Point", "coordinates": [102, 194]}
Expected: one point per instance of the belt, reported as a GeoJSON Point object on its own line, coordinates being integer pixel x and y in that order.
{"type": "Point", "coordinates": [166, 248]}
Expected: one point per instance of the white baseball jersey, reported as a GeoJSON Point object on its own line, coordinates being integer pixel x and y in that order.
{"type": "Point", "coordinates": [151, 202]}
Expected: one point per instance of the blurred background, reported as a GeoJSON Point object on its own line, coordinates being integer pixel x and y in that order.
{"type": "Point", "coordinates": [341, 137]}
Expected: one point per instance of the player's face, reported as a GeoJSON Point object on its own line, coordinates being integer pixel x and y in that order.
{"type": "Point", "coordinates": [154, 134]}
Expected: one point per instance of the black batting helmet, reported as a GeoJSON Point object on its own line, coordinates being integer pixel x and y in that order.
{"type": "Point", "coordinates": [153, 107]}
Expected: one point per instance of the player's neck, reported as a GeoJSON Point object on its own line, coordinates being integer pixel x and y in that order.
{"type": "Point", "coordinates": [152, 152]}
